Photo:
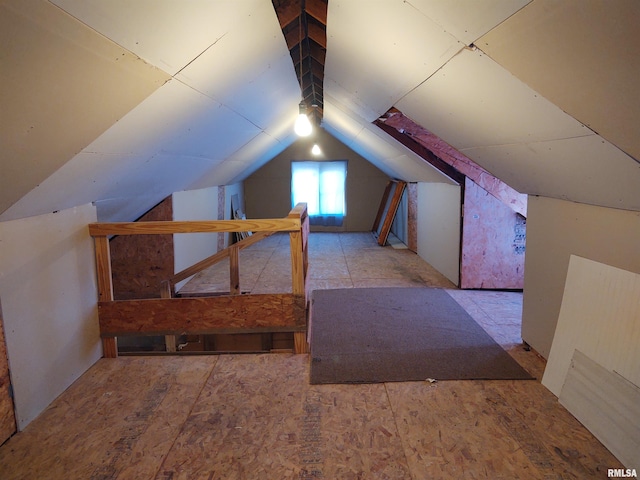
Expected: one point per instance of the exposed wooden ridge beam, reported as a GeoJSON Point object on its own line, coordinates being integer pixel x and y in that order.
{"type": "Point", "coordinates": [292, 37]}
{"type": "Point", "coordinates": [318, 33]}
{"type": "Point", "coordinates": [317, 52]}
{"type": "Point", "coordinates": [317, 69]}
{"type": "Point", "coordinates": [303, 24]}
{"type": "Point", "coordinates": [287, 11]}
{"type": "Point", "coordinates": [317, 9]}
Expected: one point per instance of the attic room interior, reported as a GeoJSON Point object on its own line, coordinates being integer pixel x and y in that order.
{"type": "Point", "coordinates": [141, 140]}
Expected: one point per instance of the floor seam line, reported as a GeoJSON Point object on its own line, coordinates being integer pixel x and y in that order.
{"type": "Point", "coordinates": [197, 397]}
{"type": "Point", "coordinates": [395, 422]}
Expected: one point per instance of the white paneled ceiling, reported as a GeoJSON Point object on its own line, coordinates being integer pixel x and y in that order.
{"type": "Point", "coordinates": [468, 20]}
{"type": "Point", "coordinates": [123, 102]}
{"type": "Point", "coordinates": [244, 161]}
{"type": "Point", "coordinates": [61, 86]}
{"type": "Point", "coordinates": [166, 33]}
{"type": "Point", "coordinates": [249, 70]}
{"type": "Point", "coordinates": [394, 45]}
{"type": "Point", "coordinates": [473, 102]}
{"type": "Point", "coordinates": [373, 144]}
{"type": "Point", "coordinates": [582, 56]}
{"type": "Point", "coordinates": [580, 169]}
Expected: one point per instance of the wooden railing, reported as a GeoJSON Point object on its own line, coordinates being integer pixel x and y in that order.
{"type": "Point", "coordinates": [233, 313]}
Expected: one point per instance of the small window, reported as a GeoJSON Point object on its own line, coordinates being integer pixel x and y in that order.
{"type": "Point", "coordinates": [321, 185]}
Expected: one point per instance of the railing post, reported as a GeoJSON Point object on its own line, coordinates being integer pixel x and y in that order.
{"type": "Point", "coordinates": [105, 288]}
{"type": "Point", "coordinates": [234, 270]}
{"type": "Point", "coordinates": [298, 242]}
{"type": "Point", "coordinates": [297, 263]}
{"type": "Point", "coordinates": [169, 340]}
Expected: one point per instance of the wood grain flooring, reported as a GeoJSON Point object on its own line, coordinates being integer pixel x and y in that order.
{"type": "Point", "coordinates": [255, 416]}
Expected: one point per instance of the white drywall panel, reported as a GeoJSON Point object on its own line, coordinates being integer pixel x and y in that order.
{"type": "Point", "coordinates": [124, 209]}
{"type": "Point", "coordinates": [341, 122]}
{"type": "Point", "coordinates": [438, 227]}
{"type": "Point", "coordinates": [585, 169]}
{"type": "Point", "coordinates": [62, 86]}
{"type": "Point", "coordinates": [467, 20]}
{"type": "Point", "coordinates": [228, 172]}
{"type": "Point", "coordinates": [150, 28]}
{"type": "Point", "coordinates": [249, 69]}
{"type": "Point", "coordinates": [557, 229]}
{"type": "Point", "coordinates": [345, 128]}
{"type": "Point", "coordinates": [213, 132]}
{"type": "Point", "coordinates": [403, 162]}
{"type": "Point", "coordinates": [377, 147]}
{"type": "Point", "coordinates": [472, 101]}
{"type": "Point", "coordinates": [49, 304]}
{"type": "Point", "coordinates": [600, 316]}
{"type": "Point", "coordinates": [168, 112]}
{"type": "Point", "coordinates": [242, 163]}
{"type": "Point", "coordinates": [230, 191]}
{"type": "Point", "coordinates": [190, 248]}
{"type": "Point", "coordinates": [163, 145]}
{"type": "Point", "coordinates": [396, 46]}
{"type": "Point", "coordinates": [582, 56]}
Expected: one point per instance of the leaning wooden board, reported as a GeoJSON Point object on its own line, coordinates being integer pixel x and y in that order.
{"type": "Point", "coordinates": [7, 415]}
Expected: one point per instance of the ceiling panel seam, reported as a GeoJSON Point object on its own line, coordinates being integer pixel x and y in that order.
{"type": "Point", "coordinates": [408, 92]}
{"type": "Point", "coordinates": [200, 54]}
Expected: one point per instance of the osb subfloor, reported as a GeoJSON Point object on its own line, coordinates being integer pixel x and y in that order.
{"type": "Point", "coordinates": [249, 416]}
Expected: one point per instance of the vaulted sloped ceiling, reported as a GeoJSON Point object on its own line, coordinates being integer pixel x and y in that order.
{"type": "Point", "coordinates": [227, 87]}
{"type": "Point", "coordinates": [123, 102]}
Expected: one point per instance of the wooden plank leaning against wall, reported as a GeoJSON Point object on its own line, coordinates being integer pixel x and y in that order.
{"type": "Point", "coordinates": [7, 414]}
{"type": "Point", "coordinates": [268, 313]}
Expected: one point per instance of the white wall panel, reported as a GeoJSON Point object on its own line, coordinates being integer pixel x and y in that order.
{"type": "Point", "coordinates": [168, 112]}
{"type": "Point", "coordinates": [190, 248]}
{"type": "Point", "coordinates": [557, 229]}
{"type": "Point", "coordinates": [49, 294]}
{"type": "Point", "coordinates": [259, 150]}
{"type": "Point", "coordinates": [213, 132]}
{"type": "Point", "coordinates": [439, 227]}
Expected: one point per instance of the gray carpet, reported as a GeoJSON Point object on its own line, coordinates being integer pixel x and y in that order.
{"type": "Point", "coordinates": [372, 335]}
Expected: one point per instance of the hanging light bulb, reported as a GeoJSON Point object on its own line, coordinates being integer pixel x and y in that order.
{"type": "Point", "coordinates": [315, 150]}
{"type": "Point", "coordinates": [303, 125]}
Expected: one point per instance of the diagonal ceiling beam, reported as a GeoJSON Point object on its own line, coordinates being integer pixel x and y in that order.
{"type": "Point", "coordinates": [447, 159]}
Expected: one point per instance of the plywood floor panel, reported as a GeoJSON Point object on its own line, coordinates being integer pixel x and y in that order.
{"type": "Point", "coordinates": [119, 420]}
{"type": "Point", "coordinates": [257, 419]}
{"type": "Point", "coordinates": [247, 416]}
